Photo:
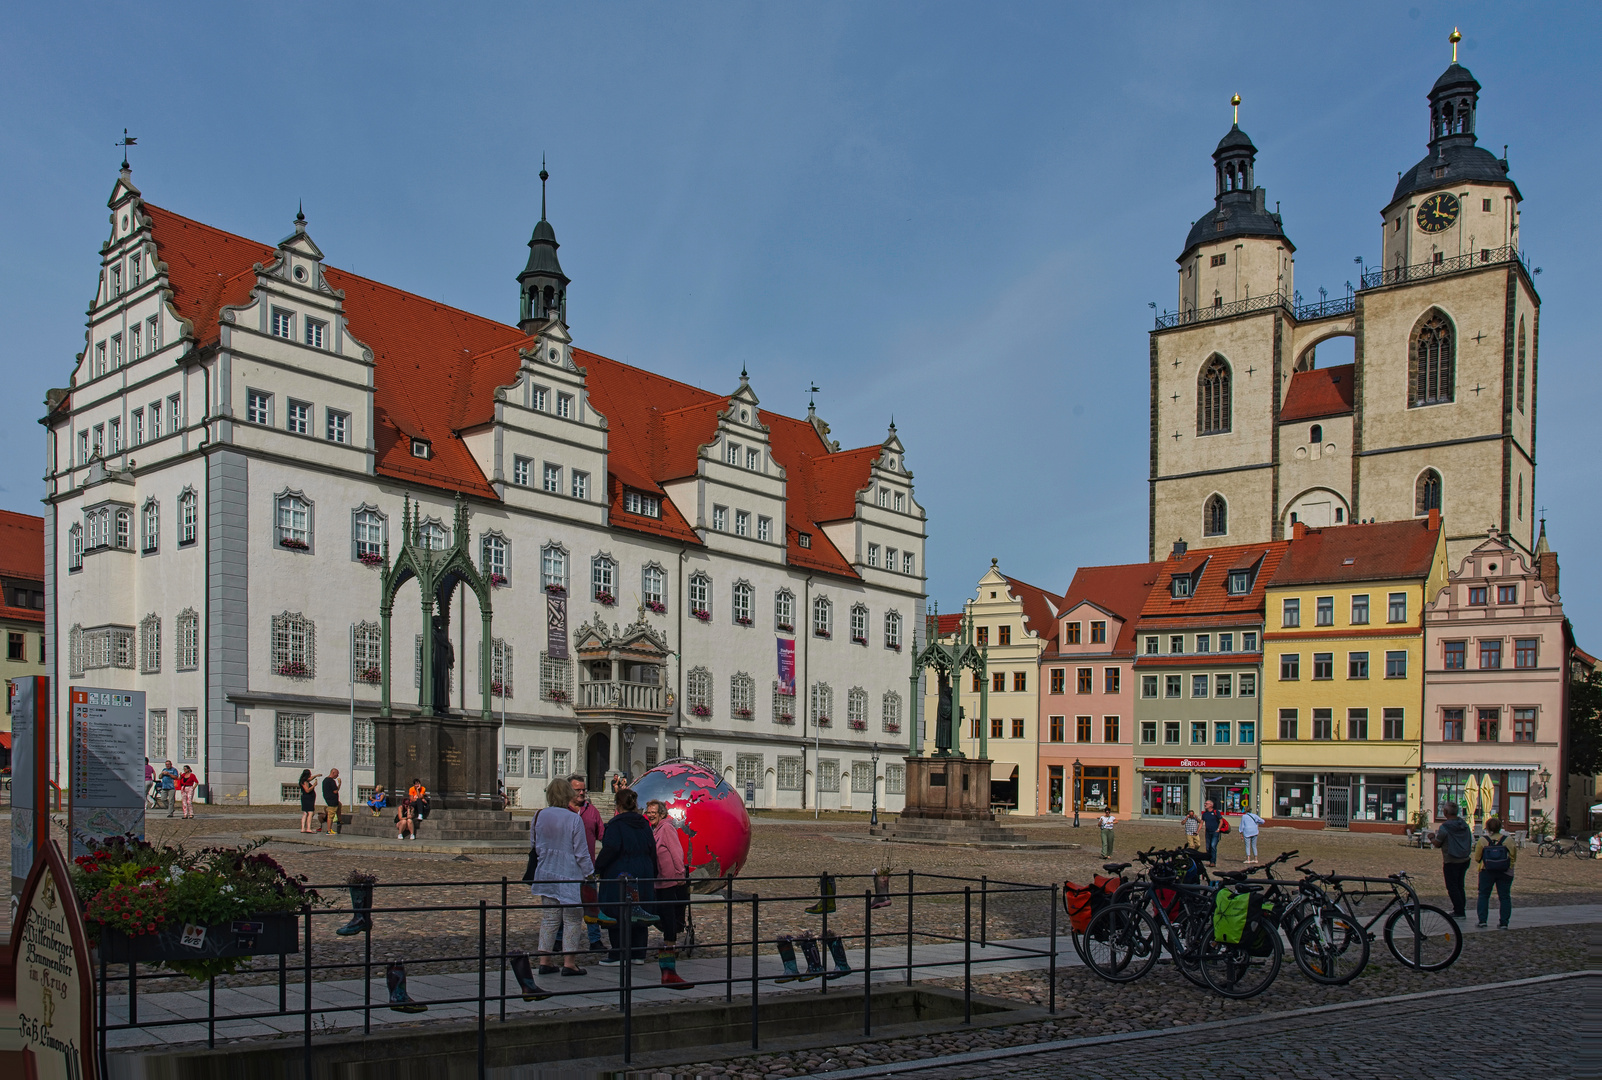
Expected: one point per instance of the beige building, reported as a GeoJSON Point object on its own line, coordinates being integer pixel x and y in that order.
{"type": "Point", "coordinates": [22, 602]}
{"type": "Point", "coordinates": [1437, 411]}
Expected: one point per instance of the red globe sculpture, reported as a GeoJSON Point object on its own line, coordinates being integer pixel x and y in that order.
{"type": "Point", "coordinates": [708, 813]}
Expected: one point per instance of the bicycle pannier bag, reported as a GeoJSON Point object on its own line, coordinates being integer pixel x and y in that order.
{"type": "Point", "coordinates": [1229, 915]}
{"type": "Point", "coordinates": [1496, 858]}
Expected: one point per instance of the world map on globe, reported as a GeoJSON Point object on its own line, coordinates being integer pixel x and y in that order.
{"type": "Point", "coordinates": [709, 814]}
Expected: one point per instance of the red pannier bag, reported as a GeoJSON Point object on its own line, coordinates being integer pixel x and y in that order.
{"type": "Point", "coordinates": [1083, 901]}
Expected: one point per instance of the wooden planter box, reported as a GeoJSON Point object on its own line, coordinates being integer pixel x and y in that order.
{"type": "Point", "coordinates": [260, 935]}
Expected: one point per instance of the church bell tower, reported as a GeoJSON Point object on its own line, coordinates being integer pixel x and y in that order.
{"type": "Point", "coordinates": [542, 285]}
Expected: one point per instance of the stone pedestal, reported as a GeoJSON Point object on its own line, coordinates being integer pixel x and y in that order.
{"type": "Point", "coordinates": [948, 789]}
{"type": "Point", "coordinates": [454, 757]}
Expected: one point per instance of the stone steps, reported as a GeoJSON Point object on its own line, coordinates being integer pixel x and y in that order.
{"type": "Point", "coordinates": [445, 824]}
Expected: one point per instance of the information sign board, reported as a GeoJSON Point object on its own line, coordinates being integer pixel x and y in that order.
{"type": "Point", "coordinates": [107, 782]}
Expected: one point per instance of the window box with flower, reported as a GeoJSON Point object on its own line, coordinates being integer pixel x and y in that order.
{"type": "Point", "coordinates": [821, 633]}
{"type": "Point", "coordinates": [786, 628]}
{"type": "Point", "coordinates": [293, 544]}
{"type": "Point", "coordinates": [823, 721]}
{"type": "Point", "coordinates": [498, 581]}
{"type": "Point", "coordinates": [742, 620]}
{"type": "Point", "coordinates": [294, 669]}
{"type": "Point", "coordinates": [743, 713]}
{"type": "Point", "coordinates": [893, 727]}
{"type": "Point", "coordinates": [556, 694]}
{"type": "Point", "coordinates": [858, 725]}
{"type": "Point", "coordinates": [369, 559]}
{"type": "Point", "coordinates": [656, 606]}
{"type": "Point", "coordinates": [371, 673]}
{"type": "Point", "coordinates": [702, 711]}
{"type": "Point", "coordinates": [556, 590]}
{"type": "Point", "coordinates": [784, 718]}
{"type": "Point", "coordinates": [702, 613]}
{"type": "Point", "coordinates": [855, 640]}
{"type": "Point", "coordinates": [498, 688]}
{"type": "Point", "coordinates": [605, 598]}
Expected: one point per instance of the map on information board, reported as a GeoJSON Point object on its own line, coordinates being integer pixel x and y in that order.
{"type": "Point", "coordinates": [108, 765]}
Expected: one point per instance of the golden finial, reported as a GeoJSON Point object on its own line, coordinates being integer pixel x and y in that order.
{"type": "Point", "coordinates": [1235, 102]}
{"type": "Point", "coordinates": [1454, 39]}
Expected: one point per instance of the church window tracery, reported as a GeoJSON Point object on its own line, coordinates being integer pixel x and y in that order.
{"type": "Point", "coordinates": [1431, 365]}
{"type": "Point", "coordinates": [1427, 493]}
{"type": "Point", "coordinates": [1215, 516]}
{"type": "Point", "coordinates": [1212, 398]}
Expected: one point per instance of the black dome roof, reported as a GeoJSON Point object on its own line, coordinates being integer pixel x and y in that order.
{"type": "Point", "coordinates": [1461, 164]}
{"type": "Point", "coordinates": [1456, 77]}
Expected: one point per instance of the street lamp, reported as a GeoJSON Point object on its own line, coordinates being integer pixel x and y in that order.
{"type": "Point", "coordinates": [1079, 772]}
{"type": "Point", "coordinates": [873, 817]}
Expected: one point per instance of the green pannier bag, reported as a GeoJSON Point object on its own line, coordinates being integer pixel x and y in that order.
{"type": "Point", "coordinates": [1230, 910]}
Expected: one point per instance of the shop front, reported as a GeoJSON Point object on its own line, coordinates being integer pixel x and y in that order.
{"type": "Point", "coordinates": [1482, 790]}
{"type": "Point", "coordinates": [1362, 802]}
{"type": "Point", "coordinates": [1097, 789]}
{"type": "Point", "coordinates": [1171, 786]}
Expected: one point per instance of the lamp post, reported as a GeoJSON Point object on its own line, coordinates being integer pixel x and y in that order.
{"type": "Point", "coordinates": [1079, 772]}
{"type": "Point", "coordinates": [873, 816]}
{"type": "Point", "coordinates": [1545, 777]}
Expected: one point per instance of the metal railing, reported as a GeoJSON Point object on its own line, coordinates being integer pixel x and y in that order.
{"type": "Point", "coordinates": [1396, 275]}
{"type": "Point", "coordinates": [1342, 305]}
{"type": "Point", "coordinates": [621, 694]}
{"type": "Point", "coordinates": [491, 952]}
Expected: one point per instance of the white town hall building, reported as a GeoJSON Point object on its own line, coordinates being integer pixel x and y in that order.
{"type": "Point", "coordinates": [239, 436]}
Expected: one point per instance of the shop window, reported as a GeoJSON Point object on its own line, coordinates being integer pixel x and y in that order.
{"type": "Point", "coordinates": [1165, 794]}
{"type": "Point", "coordinates": [1293, 795]}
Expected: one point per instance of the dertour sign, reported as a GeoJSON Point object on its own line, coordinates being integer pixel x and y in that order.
{"type": "Point", "coordinates": [1221, 764]}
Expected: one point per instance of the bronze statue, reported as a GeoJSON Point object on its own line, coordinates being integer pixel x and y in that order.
{"type": "Point", "coordinates": [943, 733]}
{"type": "Point", "coordinates": [444, 662]}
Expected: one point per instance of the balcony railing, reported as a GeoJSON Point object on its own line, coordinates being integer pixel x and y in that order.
{"type": "Point", "coordinates": [1397, 275]}
{"type": "Point", "coordinates": [621, 696]}
{"type": "Point", "coordinates": [1343, 305]}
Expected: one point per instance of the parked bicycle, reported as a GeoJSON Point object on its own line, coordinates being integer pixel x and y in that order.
{"type": "Point", "coordinates": [1332, 945]}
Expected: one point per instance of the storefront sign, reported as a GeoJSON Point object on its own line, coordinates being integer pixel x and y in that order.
{"type": "Point", "coordinates": [108, 766]}
{"type": "Point", "coordinates": [50, 955]}
{"type": "Point", "coordinates": [1220, 764]}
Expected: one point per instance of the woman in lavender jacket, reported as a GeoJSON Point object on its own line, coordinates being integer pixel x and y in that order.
{"type": "Point", "coordinates": [557, 835]}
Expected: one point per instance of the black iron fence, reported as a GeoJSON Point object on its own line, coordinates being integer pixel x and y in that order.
{"type": "Point", "coordinates": [1396, 275]}
{"type": "Point", "coordinates": [491, 955]}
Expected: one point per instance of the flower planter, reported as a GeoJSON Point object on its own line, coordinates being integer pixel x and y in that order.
{"type": "Point", "coordinates": [605, 598]}
{"type": "Point", "coordinates": [260, 935]}
{"type": "Point", "coordinates": [656, 606]}
{"type": "Point", "coordinates": [704, 616]}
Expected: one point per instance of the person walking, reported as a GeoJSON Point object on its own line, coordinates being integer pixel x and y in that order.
{"type": "Point", "coordinates": [627, 865]}
{"type": "Point", "coordinates": [169, 786]}
{"type": "Point", "coordinates": [187, 783]}
{"type": "Point", "coordinates": [1192, 825]}
{"type": "Point", "coordinates": [1250, 824]}
{"type": "Point", "coordinates": [1495, 855]}
{"type": "Point", "coordinates": [593, 828]}
{"type": "Point", "coordinates": [331, 786]}
{"type": "Point", "coordinates": [672, 891]}
{"type": "Point", "coordinates": [150, 785]}
{"type": "Point", "coordinates": [562, 860]}
{"type": "Point", "coordinates": [1106, 822]}
{"type": "Point", "coordinates": [308, 800]}
{"type": "Point", "coordinates": [1456, 840]}
{"type": "Point", "coordinates": [1211, 821]}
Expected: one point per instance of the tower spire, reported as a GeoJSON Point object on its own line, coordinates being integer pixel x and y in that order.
{"type": "Point", "coordinates": [1454, 38]}
{"type": "Point", "coordinates": [1235, 104]}
{"type": "Point", "coordinates": [544, 176]}
{"type": "Point", "coordinates": [126, 141]}
{"type": "Point", "coordinates": [542, 285]}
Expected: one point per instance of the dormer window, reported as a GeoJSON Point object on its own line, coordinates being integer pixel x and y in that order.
{"type": "Point", "coordinates": [1240, 582]}
{"type": "Point", "coordinates": [804, 539]}
{"type": "Point", "coordinates": [421, 449]}
{"type": "Point", "coordinates": [636, 502]}
{"type": "Point", "coordinates": [1181, 586]}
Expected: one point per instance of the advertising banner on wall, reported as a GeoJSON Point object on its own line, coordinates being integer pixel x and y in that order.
{"type": "Point", "coordinates": [556, 625]}
{"type": "Point", "coordinates": [787, 666]}
{"type": "Point", "coordinates": [107, 784]}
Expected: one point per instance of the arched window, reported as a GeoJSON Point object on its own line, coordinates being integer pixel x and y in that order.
{"type": "Point", "coordinates": [553, 568]}
{"type": "Point", "coordinates": [1519, 388]}
{"type": "Point", "coordinates": [1427, 493]}
{"type": "Point", "coordinates": [603, 580]}
{"type": "Point", "coordinates": [890, 712]}
{"type": "Point", "coordinates": [701, 596]}
{"type": "Point", "coordinates": [742, 696]}
{"type": "Point", "coordinates": [367, 535]}
{"type": "Point", "coordinates": [822, 704]}
{"type": "Point", "coordinates": [294, 522]}
{"type": "Point", "coordinates": [433, 535]}
{"type": "Point", "coordinates": [124, 529]}
{"type": "Point", "coordinates": [892, 631]}
{"type": "Point", "coordinates": [150, 644]}
{"type": "Point", "coordinates": [75, 548]}
{"type": "Point", "coordinates": [188, 643]}
{"type": "Point", "coordinates": [1215, 516]}
{"type": "Point", "coordinates": [822, 617]}
{"type": "Point", "coordinates": [492, 557]}
{"type": "Point", "coordinates": [188, 518]}
{"type": "Point", "coordinates": [1430, 366]}
{"type": "Point", "coordinates": [859, 624]}
{"type": "Point", "coordinates": [150, 525]}
{"type": "Point", "coordinates": [1212, 398]}
{"type": "Point", "coordinates": [784, 611]}
{"type": "Point", "coordinates": [293, 645]}
{"type": "Point", "coordinates": [744, 599]}
{"type": "Point", "coordinates": [857, 709]}
{"type": "Point", "coordinates": [698, 692]}
{"type": "Point", "coordinates": [653, 583]}
{"type": "Point", "coordinates": [1316, 435]}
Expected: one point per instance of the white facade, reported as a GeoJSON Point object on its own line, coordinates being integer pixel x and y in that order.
{"type": "Point", "coordinates": [239, 608]}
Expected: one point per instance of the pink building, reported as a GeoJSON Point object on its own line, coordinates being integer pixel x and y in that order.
{"type": "Point", "coordinates": [1495, 681]}
{"type": "Point", "coordinates": [1087, 692]}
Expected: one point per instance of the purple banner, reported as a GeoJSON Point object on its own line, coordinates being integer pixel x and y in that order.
{"type": "Point", "coordinates": [787, 666]}
{"type": "Point", "coordinates": [556, 625]}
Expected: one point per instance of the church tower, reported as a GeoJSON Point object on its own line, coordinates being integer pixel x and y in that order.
{"type": "Point", "coordinates": [542, 285]}
{"type": "Point", "coordinates": [1437, 410]}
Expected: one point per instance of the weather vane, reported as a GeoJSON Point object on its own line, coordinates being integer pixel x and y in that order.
{"type": "Point", "coordinates": [812, 402]}
{"type": "Point", "coordinates": [126, 141]}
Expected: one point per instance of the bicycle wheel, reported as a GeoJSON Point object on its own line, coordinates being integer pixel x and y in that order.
{"type": "Point", "coordinates": [1192, 933]}
{"type": "Point", "coordinates": [1079, 946]}
{"type": "Point", "coordinates": [1436, 935]}
{"type": "Point", "coordinates": [1240, 971]}
{"type": "Point", "coordinates": [1121, 943]}
{"type": "Point", "coordinates": [1330, 947]}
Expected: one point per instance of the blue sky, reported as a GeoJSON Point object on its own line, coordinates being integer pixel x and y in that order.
{"type": "Point", "coordinates": [949, 213]}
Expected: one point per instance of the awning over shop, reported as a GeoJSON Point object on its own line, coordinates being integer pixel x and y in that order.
{"type": "Point", "coordinates": [1003, 771]}
{"type": "Point", "coordinates": [5, 740]}
{"type": "Point", "coordinates": [1478, 766]}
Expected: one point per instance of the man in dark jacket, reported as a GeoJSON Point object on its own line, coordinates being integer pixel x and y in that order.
{"type": "Point", "coordinates": [628, 850]}
{"type": "Point", "coordinates": [1456, 841]}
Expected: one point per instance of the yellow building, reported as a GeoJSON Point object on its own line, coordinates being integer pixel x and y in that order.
{"type": "Point", "coordinates": [1012, 624]}
{"type": "Point", "coordinates": [1343, 674]}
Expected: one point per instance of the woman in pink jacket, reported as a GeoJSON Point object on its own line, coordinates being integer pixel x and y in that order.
{"type": "Point", "coordinates": [672, 891]}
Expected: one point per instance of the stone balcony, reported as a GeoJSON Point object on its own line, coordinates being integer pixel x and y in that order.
{"type": "Point", "coordinates": [621, 696]}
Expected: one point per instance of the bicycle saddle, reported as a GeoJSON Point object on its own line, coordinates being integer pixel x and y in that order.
{"type": "Point", "coordinates": [1115, 867]}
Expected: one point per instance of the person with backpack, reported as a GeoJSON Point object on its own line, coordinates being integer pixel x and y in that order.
{"type": "Point", "coordinates": [1495, 856]}
{"type": "Point", "coordinates": [1456, 841]}
{"type": "Point", "coordinates": [1250, 823]}
{"type": "Point", "coordinates": [1213, 823]}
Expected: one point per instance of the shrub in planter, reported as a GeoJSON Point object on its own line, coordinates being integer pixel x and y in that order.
{"type": "Point", "coordinates": [199, 913]}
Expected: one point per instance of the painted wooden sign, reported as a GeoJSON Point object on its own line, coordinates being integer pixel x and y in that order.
{"type": "Point", "coordinates": [55, 981]}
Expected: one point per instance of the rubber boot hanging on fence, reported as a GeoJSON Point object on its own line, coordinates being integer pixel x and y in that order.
{"type": "Point", "coordinates": [668, 961]}
{"type": "Point", "coordinates": [592, 902]}
{"type": "Point", "coordinates": [524, 971]}
{"type": "Point", "coordinates": [836, 947]}
{"type": "Point", "coordinates": [399, 1000]}
{"type": "Point", "coordinates": [825, 905]}
{"type": "Point", "coordinates": [881, 890]}
{"type": "Point", "coordinates": [787, 955]}
{"type": "Point", "coordinates": [361, 899]}
{"type": "Point", "coordinates": [809, 948]}
{"type": "Point", "coordinates": [636, 912]}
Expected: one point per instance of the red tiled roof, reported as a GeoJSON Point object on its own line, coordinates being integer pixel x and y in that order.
{"type": "Point", "coordinates": [436, 369]}
{"type": "Point", "coordinates": [1385, 551]}
{"type": "Point", "coordinates": [1317, 393]}
{"type": "Point", "coordinates": [949, 624]}
{"type": "Point", "coordinates": [1039, 607]}
{"type": "Point", "coordinates": [21, 559]}
{"type": "Point", "coordinates": [1210, 596]}
{"type": "Point", "coordinates": [1120, 590]}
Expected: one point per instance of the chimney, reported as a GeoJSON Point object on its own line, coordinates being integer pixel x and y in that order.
{"type": "Point", "coordinates": [1180, 547]}
{"type": "Point", "coordinates": [1435, 518]}
{"type": "Point", "coordinates": [1298, 530]}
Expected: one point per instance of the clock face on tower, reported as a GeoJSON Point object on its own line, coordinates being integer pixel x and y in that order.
{"type": "Point", "coordinates": [1438, 212]}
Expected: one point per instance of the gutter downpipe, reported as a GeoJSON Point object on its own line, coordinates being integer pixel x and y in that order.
{"type": "Point", "coordinates": [205, 665]}
{"type": "Point", "coordinates": [817, 734]}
